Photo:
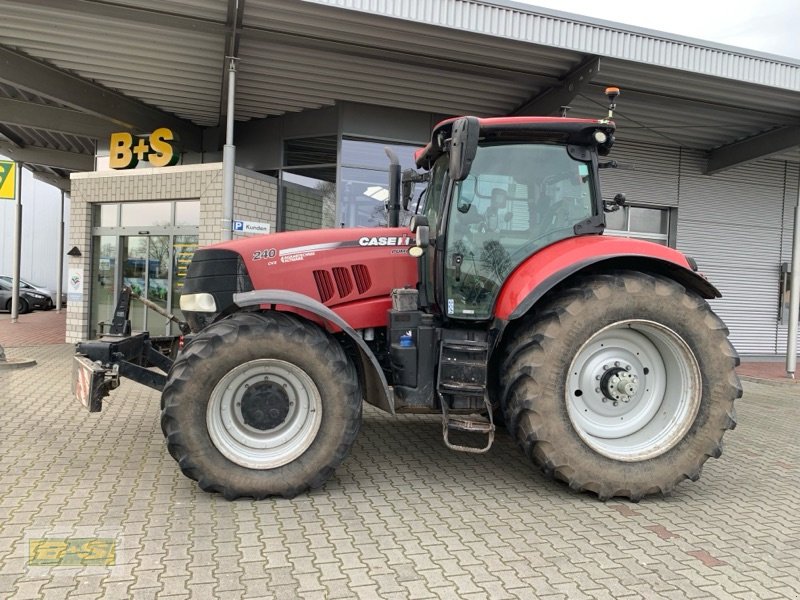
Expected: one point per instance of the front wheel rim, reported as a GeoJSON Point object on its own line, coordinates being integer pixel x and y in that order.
{"type": "Point", "coordinates": [264, 414]}
{"type": "Point", "coordinates": [633, 390]}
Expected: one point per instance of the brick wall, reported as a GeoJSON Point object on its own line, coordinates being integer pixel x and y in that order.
{"type": "Point", "coordinates": [255, 199]}
{"type": "Point", "coordinates": [303, 207]}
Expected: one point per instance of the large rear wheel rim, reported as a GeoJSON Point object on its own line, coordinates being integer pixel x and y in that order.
{"type": "Point", "coordinates": [633, 390]}
{"type": "Point", "coordinates": [264, 414]}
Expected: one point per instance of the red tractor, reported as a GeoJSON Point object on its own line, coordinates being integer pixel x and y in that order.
{"type": "Point", "coordinates": [502, 298]}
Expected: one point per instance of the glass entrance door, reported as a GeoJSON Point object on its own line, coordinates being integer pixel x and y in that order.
{"type": "Point", "coordinates": [145, 261]}
{"type": "Point", "coordinates": [147, 246]}
{"type": "Point", "coordinates": [105, 283]}
{"type": "Point", "coordinates": [153, 266]}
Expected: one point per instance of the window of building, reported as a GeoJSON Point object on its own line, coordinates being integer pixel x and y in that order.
{"type": "Point", "coordinates": [182, 213]}
{"type": "Point", "coordinates": [308, 183]}
{"type": "Point", "coordinates": [327, 185]}
{"type": "Point", "coordinates": [641, 222]}
{"type": "Point", "coordinates": [364, 181]}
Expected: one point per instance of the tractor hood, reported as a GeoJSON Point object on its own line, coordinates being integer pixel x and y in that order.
{"type": "Point", "coordinates": [351, 271]}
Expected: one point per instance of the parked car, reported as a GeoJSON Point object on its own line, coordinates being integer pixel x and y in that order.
{"type": "Point", "coordinates": [29, 299]}
{"type": "Point", "coordinates": [39, 289]}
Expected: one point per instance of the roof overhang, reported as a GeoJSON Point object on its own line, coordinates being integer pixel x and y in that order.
{"type": "Point", "coordinates": [72, 71]}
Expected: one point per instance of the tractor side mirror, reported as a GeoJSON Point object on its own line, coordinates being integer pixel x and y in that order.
{"type": "Point", "coordinates": [463, 147]}
{"type": "Point", "coordinates": [614, 205]}
{"type": "Point", "coordinates": [409, 180]}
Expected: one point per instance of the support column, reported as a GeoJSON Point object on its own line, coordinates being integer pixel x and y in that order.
{"type": "Point", "coordinates": [60, 277]}
{"type": "Point", "coordinates": [17, 255]}
{"type": "Point", "coordinates": [229, 155]}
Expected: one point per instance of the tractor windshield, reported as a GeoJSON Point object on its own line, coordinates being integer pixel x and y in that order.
{"type": "Point", "coordinates": [517, 199]}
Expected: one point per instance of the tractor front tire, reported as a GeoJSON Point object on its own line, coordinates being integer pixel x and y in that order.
{"type": "Point", "coordinates": [622, 384]}
{"type": "Point", "coordinates": [261, 404]}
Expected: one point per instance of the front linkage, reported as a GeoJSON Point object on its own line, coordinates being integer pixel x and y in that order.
{"type": "Point", "coordinates": [99, 364]}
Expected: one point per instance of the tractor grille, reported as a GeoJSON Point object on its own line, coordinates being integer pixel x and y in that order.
{"type": "Point", "coordinates": [324, 285]}
{"type": "Point", "coordinates": [344, 283]}
{"type": "Point", "coordinates": [361, 274]}
{"type": "Point", "coordinates": [339, 281]}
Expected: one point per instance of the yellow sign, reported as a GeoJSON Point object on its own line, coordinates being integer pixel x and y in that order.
{"type": "Point", "coordinates": [72, 552]}
{"type": "Point", "coordinates": [125, 150]}
{"type": "Point", "coordinates": [8, 180]}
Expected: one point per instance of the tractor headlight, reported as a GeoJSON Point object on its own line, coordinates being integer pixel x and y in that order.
{"type": "Point", "coordinates": [202, 302]}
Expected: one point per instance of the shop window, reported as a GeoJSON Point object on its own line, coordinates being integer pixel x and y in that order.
{"type": "Point", "coordinates": [187, 214]}
{"type": "Point", "coordinates": [308, 184]}
{"type": "Point", "coordinates": [646, 223]}
{"type": "Point", "coordinates": [146, 214]}
{"type": "Point", "coordinates": [107, 215]}
{"type": "Point", "coordinates": [309, 198]}
{"type": "Point", "coordinates": [364, 181]}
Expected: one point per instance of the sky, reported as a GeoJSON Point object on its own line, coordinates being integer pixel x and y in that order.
{"type": "Point", "coordinates": [771, 26]}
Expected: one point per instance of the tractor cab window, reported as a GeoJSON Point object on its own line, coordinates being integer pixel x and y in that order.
{"type": "Point", "coordinates": [431, 203]}
{"type": "Point", "coordinates": [517, 199]}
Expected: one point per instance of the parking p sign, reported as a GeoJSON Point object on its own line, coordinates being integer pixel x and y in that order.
{"type": "Point", "coordinates": [249, 227]}
{"type": "Point", "coordinates": [8, 179]}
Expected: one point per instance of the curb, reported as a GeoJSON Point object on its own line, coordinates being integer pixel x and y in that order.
{"type": "Point", "coordinates": [16, 363]}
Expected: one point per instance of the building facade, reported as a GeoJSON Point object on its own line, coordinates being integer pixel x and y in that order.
{"type": "Point", "coordinates": [331, 170]}
{"type": "Point", "coordinates": [707, 149]}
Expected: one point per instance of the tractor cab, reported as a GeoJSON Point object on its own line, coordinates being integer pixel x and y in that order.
{"type": "Point", "coordinates": [500, 190]}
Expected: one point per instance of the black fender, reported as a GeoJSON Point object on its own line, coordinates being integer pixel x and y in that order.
{"type": "Point", "coordinates": [376, 390]}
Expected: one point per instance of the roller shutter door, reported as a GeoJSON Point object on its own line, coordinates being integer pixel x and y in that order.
{"type": "Point", "coordinates": [736, 224]}
{"type": "Point", "coordinates": [732, 224]}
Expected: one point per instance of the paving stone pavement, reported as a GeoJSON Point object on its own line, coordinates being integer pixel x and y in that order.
{"type": "Point", "coordinates": [402, 518]}
{"type": "Point", "coordinates": [33, 329]}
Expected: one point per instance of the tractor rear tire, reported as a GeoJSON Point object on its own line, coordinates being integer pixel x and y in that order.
{"type": "Point", "coordinates": [622, 384]}
{"type": "Point", "coordinates": [261, 404]}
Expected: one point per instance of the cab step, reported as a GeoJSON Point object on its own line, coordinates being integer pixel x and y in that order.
{"type": "Point", "coordinates": [463, 367]}
{"type": "Point", "coordinates": [474, 424]}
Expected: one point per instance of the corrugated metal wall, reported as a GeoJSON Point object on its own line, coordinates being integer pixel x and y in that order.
{"type": "Point", "coordinates": [731, 223]}
{"type": "Point", "coordinates": [736, 224]}
{"type": "Point", "coordinates": [647, 175]}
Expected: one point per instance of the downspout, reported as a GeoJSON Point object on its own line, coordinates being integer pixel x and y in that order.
{"type": "Point", "coordinates": [229, 155]}
{"type": "Point", "coordinates": [794, 293]}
